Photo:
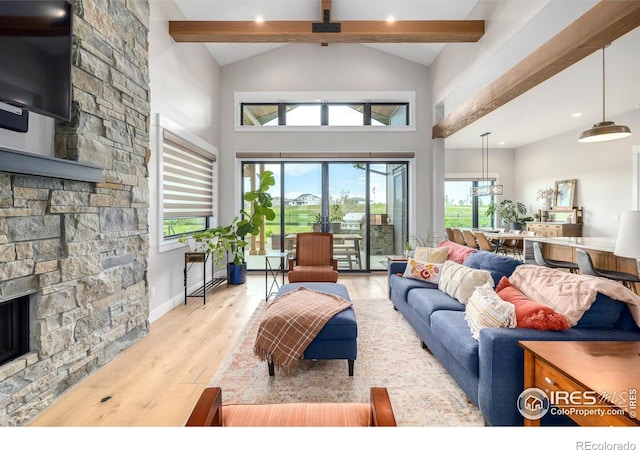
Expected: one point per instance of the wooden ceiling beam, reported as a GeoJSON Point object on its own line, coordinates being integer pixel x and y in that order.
{"type": "Point", "coordinates": [601, 25]}
{"type": "Point", "coordinates": [365, 31]}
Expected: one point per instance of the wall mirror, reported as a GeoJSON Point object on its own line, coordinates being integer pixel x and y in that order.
{"type": "Point", "coordinates": [565, 194]}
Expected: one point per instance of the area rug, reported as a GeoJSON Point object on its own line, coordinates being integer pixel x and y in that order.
{"type": "Point", "coordinates": [389, 355]}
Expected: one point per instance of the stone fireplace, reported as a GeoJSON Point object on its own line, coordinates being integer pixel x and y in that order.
{"type": "Point", "coordinates": [73, 249]}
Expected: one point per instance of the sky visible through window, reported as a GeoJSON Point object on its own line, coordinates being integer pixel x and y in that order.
{"type": "Point", "coordinates": [340, 115]}
{"type": "Point", "coordinates": [301, 179]}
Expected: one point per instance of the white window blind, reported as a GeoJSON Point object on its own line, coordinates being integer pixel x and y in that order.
{"type": "Point", "coordinates": [188, 189]}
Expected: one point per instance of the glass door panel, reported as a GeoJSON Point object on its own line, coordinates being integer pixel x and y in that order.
{"type": "Point", "coordinates": [269, 240]}
{"type": "Point", "coordinates": [347, 195]}
{"type": "Point", "coordinates": [363, 204]}
{"type": "Point", "coordinates": [302, 200]}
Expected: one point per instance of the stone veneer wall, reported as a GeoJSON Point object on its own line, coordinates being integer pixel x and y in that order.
{"type": "Point", "coordinates": [81, 248]}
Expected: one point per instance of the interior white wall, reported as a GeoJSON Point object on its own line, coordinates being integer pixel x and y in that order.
{"type": "Point", "coordinates": [184, 89]}
{"type": "Point", "coordinates": [311, 67]}
{"type": "Point", "coordinates": [604, 172]}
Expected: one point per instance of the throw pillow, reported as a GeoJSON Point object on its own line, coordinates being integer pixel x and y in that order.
{"type": "Point", "coordinates": [487, 310]}
{"type": "Point", "coordinates": [530, 314]}
{"type": "Point", "coordinates": [457, 253]}
{"type": "Point", "coordinates": [420, 270]}
{"type": "Point", "coordinates": [431, 254]}
{"type": "Point", "coordinates": [459, 281]}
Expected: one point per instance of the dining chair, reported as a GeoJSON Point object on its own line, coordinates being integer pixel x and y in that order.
{"type": "Point", "coordinates": [585, 264]}
{"type": "Point", "coordinates": [450, 235]}
{"type": "Point", "coordinates": [541, 260]}
{"type": "Point", "coordinates": [458, 237]}
{"type": "Point", "coordinates": [469, 239]}
{"type": "Point", "coordinates": [483, 242]}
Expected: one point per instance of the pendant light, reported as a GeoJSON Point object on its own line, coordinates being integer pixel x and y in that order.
{"type": "Point", "coordinates": [487, 188]}
{"type": "Point", "coordinates": [605, 130]}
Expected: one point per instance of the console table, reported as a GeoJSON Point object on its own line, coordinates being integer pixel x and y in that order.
{"type": "Point", "coordinates": [585, 378]}
{"type": "Point", "coordinates": [191, 258]}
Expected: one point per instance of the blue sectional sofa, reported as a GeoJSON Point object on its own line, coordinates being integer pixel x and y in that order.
{"type": "Point", "coordinates": [490, 370]}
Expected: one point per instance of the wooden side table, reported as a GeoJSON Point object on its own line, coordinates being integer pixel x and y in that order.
{"type": "Point", "coordinates": [595, 383]}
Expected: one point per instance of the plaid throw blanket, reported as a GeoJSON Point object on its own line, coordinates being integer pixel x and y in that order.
{"type": "Point", "coordinates": [291, 322]}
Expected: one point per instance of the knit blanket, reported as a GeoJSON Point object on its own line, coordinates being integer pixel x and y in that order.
{"type": "Point", "coordinates": [570, 294]}
{"type": "Point", "coordinates": [291, 322]}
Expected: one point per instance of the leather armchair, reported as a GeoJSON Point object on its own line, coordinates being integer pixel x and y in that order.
{"type": "Point", "coordinates": [314, 259]}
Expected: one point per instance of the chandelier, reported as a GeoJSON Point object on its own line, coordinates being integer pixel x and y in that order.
{"type": "Point", "coordinates": [485, 186]}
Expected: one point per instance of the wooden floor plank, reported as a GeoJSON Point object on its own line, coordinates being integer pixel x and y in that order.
{"type": "Point", "coordinates": [157, 381]}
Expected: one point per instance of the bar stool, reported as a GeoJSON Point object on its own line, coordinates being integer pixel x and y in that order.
{"type": "Point", "coordinates": [585, 263]}
{"type": "Point", "coordinates": [552, 263]}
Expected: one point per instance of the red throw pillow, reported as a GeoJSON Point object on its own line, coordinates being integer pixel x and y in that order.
{"type": "Point", "coordinates": [530, 314]}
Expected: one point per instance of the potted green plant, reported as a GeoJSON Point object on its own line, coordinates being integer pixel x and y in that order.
{"type": "Point", "coordinates": [224, 240]}
{"type": "Point", "coordinates": [513, 214]}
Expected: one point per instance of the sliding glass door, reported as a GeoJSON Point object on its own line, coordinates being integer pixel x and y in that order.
{"type": "Point", "coordinates": [363, 204]}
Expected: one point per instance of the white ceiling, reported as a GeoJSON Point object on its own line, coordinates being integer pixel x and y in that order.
{"type": "Point", "coordinates": [514, 28]}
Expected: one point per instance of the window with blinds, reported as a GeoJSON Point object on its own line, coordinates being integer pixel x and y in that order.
{"type": "Point", "coordinates": [187, 186]}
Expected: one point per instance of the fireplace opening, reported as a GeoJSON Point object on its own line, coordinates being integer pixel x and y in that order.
{"type": "Point", "coordinates": [14, 328]}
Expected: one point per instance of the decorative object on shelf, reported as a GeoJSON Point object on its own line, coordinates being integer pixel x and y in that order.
{"type": "Point", "coordinates": [222, 240]}
{"type": "Point", "coordinates": [605, 130]}
{"type": "Point", "coordinates": [628, 239]}
{"type": "Point", "coordinates": [487, 187]}
{"type": "Point", "coordinates": [545, 196]}
{"type": "Point", "coordinates": [565, 194]}
{"type": "Point", "coordinates": [513, 214]}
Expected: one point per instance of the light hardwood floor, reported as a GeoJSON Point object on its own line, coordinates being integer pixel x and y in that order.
{"type": "Point", "coordinates": [157, 381]}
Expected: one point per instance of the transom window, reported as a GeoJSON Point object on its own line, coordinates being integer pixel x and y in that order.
{"type": "Point", "coordinates": [324, 114]}
{"type": "Point", "coordinates": [356, 111]}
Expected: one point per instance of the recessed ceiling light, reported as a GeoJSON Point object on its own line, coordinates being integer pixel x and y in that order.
{"type": "Point", "coordinates": [577, 114]}
{"type": "Point", "coordinates": [501, 143]}
{"type": "Point", "coordinates": [259, 19]}
{"type": "Point", "coordinates": [390, 19]}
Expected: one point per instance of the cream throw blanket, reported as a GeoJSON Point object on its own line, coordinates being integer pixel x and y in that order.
{"type": "Point", "coordinates": [570, 294]}
{"type": "Point", "coordinates": [291, 322]}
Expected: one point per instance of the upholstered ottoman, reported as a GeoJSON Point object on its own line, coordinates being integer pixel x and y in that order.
{"type": "Point", "coordinates": [337, 339]}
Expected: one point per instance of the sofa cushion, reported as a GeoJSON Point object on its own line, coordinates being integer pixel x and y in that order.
{"type": "Point", "coordinates": [487, 310]}
{"type": "Point", "coordinates": [499, 265]}
{"type": "Point", "coordinates": [425, 301]}
{"type": "Point", "coordinates": [452, 329]}
{"type": "Point", "coordinates": [459, 281]}
{"type": "Point", "coordinates": [431, 254]}
{"type": "Point", "coordinates": [421, 270]}
{"type": "Point", "coordinates": [603, 314]}
{"type": "Point", "coordinates": [401, 285]}
{"type": "Point", "coordinates": [457, 253]}
{"type": "Point", "coordinates": [530, 314]}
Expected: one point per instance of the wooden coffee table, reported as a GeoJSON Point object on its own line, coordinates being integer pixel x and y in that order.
{"type": "Point", "coordinates": [595, 383]}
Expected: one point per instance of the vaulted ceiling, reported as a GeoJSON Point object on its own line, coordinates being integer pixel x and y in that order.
{"type": "Point", "coordinates": [513, 30]}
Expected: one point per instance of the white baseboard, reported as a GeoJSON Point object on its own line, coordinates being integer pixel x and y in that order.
{"type": "Point", "coordinates": [177, 300]}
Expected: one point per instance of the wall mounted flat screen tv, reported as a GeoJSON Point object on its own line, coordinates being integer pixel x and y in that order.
{"type": "Point", "coordinates": [35, 56]}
